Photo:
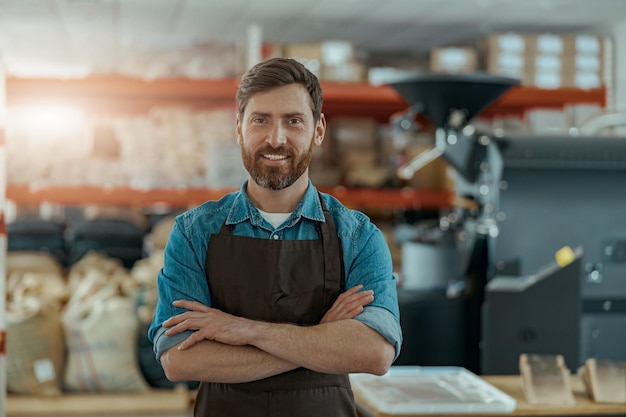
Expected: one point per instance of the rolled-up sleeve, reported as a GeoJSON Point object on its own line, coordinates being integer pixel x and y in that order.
{"type": "Point", "coordinates": [181, 278]}
{"type": "Point", "coordinates": [385, 323]}
{"type": "Point", "coordinates": [163, 342]}
{"type": "Point", "coordinates": [368, 263]}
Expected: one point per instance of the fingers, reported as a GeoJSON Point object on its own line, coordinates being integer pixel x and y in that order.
{"type": "Point", "coordinates": [356, 302]}
{"type": "Point", "coordinates": [179, 324]}
{"type": "Point", "coordinates": [351, 298]}
{"type": "Point", "coordinates": [350, 291]}
{"type": "Point", "coordinates": [190, 341]}
{"type": "Point", "coordinates": [349, 304]}
{"type": "Point", "coordinates": [189, 320]}
{"type": "Point", "coordinates": [191, 305]}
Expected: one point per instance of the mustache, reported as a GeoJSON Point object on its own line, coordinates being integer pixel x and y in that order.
{"type": "Point", "coordinates": [282, 150]}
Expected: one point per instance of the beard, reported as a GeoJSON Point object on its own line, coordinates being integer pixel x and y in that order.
{"type": "Point", "coordinates": [276, 178]}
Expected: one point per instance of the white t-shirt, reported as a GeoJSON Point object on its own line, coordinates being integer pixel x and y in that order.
{"type": "Point", "coordinates": [275, 219]}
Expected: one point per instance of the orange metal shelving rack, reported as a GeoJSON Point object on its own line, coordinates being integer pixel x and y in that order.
{"type": "Point", "coordinates": [115, 95]}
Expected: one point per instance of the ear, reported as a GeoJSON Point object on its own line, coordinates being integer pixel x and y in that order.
{"type": "Point", "coordinates": [320, 130]}
{"type": "Point", "coordinates": [238, 130]}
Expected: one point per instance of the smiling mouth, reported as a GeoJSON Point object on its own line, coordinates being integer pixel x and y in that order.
{"type": "Point", "coordinates": [272, 157]}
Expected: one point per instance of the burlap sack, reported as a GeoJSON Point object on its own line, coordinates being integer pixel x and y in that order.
{"type": "Point", "coordinates": [35, 347]}
{"type": "Point", "coordinates": [46, 286]}
{"type": "Point", "coordinates": [146, 271]}
{"type": "Point", "coordinates": [99, 270]}
{"type": "Point", "coordinates": [32, 262]}
{"type": "Point", "coordinates": [101, 340]}
{"type": "Point", "coordinates": [160, 233]}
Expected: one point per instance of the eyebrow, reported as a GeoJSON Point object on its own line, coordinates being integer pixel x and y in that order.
{"type": "Point", "coordinates": [294, 114]}
{"type": "Point", "coordinates": [257, 113]}
{"type": "Point", "coordinates": [286, 115]}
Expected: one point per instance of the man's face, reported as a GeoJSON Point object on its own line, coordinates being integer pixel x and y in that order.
{"type": "Point", "coordinates": [277, 134]}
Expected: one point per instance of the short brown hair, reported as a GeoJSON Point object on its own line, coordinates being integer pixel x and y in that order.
{"type": "Point", "coordinates": [278, 72]}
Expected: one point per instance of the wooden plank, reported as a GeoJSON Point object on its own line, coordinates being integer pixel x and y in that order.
{"type": "Point", "coordinates": [158, 401]}
{"type": "Point", "coordinates": [512, 385]}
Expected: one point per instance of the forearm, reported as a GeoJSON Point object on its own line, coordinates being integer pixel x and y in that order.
{"type": "Point", "coordinates": [344, 346]}
{"type": "Point", "coordinates": [216, 362]}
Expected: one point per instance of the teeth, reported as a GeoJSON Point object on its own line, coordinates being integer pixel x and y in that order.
{"type": "Point", "coordinates": [275, 157]}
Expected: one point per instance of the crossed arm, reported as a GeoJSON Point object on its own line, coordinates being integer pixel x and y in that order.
{"type": "Point", "coordinates": [230, 349]}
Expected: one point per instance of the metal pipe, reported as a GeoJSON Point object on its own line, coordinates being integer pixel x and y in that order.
{"type": "Point", "coordinates": [407, 170]}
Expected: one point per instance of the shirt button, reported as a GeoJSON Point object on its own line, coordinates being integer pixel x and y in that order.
{"type": "Point", "coordinates": [275, 237]}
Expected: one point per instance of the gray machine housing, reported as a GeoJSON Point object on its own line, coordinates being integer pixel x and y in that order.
{"type": "Point", "coordinates": [537, 313]}
{"type": "Point", "coordinates": [559, 191]}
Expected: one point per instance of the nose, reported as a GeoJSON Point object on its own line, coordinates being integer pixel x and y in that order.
{"type": "Point", "coordinates": [277, 136]}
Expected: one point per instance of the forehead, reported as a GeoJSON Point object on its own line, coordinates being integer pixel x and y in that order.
{"type": "Point", "coordinates": [291, 98]}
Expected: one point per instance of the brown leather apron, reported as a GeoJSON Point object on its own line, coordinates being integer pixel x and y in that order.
{"type": "Point", "coordinates": [288, 281]}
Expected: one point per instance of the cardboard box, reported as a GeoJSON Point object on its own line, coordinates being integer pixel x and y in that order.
{"type": "Point", "coordinates": [361, 167]}
{"type": "Point", "coordinates": [507, 64]}
{"type": "Point", "coordinates": [353, 133]}
{"type": "Point", "coordinates": [308, 51]}
{"type": "Point", "coordinates": [349, 72]}
{"type": "Point", "coordinates": [583, 45]}
{"type": "Point", "coordinates": [351, 158]}
{"type": "Point", "coordinates": [338, 56]}
{"type": "Point", "coordinates": [507, 54]}
{"type": "Point", "coordinates": [336, 53]}
{"type": "Point", "coordinates": [367, 176]}
{"type": "Point", "coordinates": [309, 54]}
{"type": "Point", "coordinates": [323, 175]}
{"type": "Point", "coordinates": [508, 43]}
{"type": "Point", "coordinates": [588, 62]}
{"type": "Point", "coordinates": [583, 79]}
{"type": "Point", "coordinates": [453, 60]}
{"type": "Point", "coordinates": [546, 44]}
{"type": "Point", "coordinates": [541, 56]}
{"type": "Point", "coordinates": [563, 79]}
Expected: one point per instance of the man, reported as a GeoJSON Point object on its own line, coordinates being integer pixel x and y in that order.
{"type": "Point", "coordinates": [273, 294]}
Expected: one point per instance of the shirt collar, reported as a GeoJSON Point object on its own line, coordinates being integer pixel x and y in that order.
{"type": "Point", "coordinates": [243, 209]}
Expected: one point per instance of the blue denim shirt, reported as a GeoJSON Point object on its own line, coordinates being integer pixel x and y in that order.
{"type": "Point", "coordinates": [366, 257]}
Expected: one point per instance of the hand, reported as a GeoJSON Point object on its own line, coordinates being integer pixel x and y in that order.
{"type": "Point", "coordinates": [208, 323]}
{"type": "Point", "coordinates": [349, 304]}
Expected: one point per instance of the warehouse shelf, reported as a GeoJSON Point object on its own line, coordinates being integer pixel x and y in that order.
{"type": "Point", "coordinates": [362, 198]}
{"type": "Point", "coordinates": [112, 95]}
{"type": "Point", "coordinates": [519, 99]}
{"type": "Point", "coordinates": [122, 95]}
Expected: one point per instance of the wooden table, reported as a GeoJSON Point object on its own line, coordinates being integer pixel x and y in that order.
{"type": "Point", "coordinates": [512, 386]}
{"type": "Point", "coordinates": [162, 402]}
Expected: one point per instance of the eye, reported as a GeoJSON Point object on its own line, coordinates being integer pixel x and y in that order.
{"type": "Point", "coordinates": [294, 121]}
{"type": "Point", "coordinates": [258, 120]}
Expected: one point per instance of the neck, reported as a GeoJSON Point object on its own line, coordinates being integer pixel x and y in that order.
{"type": "Point", "coordinates": [278, 201]}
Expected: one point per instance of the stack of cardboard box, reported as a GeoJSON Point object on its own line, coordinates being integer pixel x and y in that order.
{"type": "Point", "coordinates": [329, 60]}
{"type": "Point", "coordinates": [547, 60]}
{"type": "Point", "coordinates": [356, 144]}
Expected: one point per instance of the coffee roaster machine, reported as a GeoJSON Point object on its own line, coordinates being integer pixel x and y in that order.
{"type": "Point", "coordinates": [450, 102]}
{"type": "Point", "coordinates": [517, 200]}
